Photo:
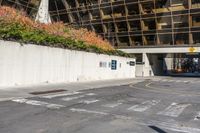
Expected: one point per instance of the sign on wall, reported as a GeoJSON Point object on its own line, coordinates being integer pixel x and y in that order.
{"type": "Point", "coordinates": [103, 64]}
{"type": "Point", "coordinates": [132, 63]}
{"type": "Point", "coordinates": [192, 49]}
{"type": "Point", "coordinates": [113, 65]}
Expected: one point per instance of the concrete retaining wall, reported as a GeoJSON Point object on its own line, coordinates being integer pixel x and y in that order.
{"type": "Point", "coordinates": [32, 64]}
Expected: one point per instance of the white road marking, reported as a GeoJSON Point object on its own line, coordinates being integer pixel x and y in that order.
{"type": "Point", "coordinates": [144, 106]}
{"type": "Point", "coordinates": [9, 99]}
{"type": "Point", "coordinates": [38, 103]}
{"type": "Point", "coordinates": [112, 105]}
{"type": "Point", "coordinates": [72, 98]}
{"type": "Point", "coordinates": [197, 117]}
{"type": "Point", "coordinates": [122, 117]}
{"type": "Point", "coordinates": [89, 101]}
{"type": "Point", "coordinates": [79, 110]}
{"type": "Point", "coordinates": [88, 111]}
{"type": "Point", "coordinates": [174, 110]}
{"type": "Point", "coordinates": [91, 94]}
{"type": "Point", "coordinates": [62, 94]}
{"type": "Point", "coordinates": [156, 79]}
{"type": "Point", "coordinates": [77, 97]}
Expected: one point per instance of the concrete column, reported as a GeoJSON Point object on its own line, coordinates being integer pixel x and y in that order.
{"type": "Point", "coordinates": [43, 12]}
{"type": "Point", "coordinates": [147, 71]}
{"type": "Point", "coordinates": [145, 59]}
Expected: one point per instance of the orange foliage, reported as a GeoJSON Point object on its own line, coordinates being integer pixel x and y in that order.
{"type": "Point", "coordinates": [10, 15]}
{"type": "Point", "coordinates": [91, 38]}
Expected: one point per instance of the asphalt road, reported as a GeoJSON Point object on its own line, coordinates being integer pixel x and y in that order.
{"type": "Point", "coordinates": [170, 105]}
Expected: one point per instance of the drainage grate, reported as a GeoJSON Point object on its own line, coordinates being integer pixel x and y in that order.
{"type": "Point", "coordinates": [46, 92]}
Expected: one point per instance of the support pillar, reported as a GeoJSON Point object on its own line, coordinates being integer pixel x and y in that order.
{"type": "Point", "coordinates": [147, 71]}
{"type": "Point", "coordinates": [43, 12]}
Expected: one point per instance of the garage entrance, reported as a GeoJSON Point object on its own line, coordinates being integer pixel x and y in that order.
{"type": "Point", "coordinates": [188, 64]}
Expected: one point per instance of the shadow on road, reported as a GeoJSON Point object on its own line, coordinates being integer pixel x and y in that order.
{"type": "Point", "coordinates": [157, 129]}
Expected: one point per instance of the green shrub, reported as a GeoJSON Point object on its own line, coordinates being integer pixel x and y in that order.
{"type": "Point", "coordinates": [17, 32]}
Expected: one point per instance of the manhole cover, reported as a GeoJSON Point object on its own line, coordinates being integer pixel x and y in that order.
{"type": "Point", "coordinates": [46, 92]}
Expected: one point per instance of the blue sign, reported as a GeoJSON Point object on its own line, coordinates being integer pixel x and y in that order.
{"type": "Point", "coordinates": [113, 65]}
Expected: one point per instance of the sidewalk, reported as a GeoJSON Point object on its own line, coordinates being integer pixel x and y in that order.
{"type": "Point", "coordinates": [8, 93]}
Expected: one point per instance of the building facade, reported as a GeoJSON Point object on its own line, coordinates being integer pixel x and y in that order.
{"type": "Point", "coordinates": [164, 35]}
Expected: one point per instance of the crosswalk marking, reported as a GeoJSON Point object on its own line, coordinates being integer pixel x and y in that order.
{"type": "Point", "coordinates": [72, 98]}
{"type": "Point", "coordinates": [63, 94]}
{"type": "Point", "coordinates": [112, 105]}
{"type": "Point", "coordinates": [91, 94]}
{"type": "Point", "coordinates": [88, 111]}
{"type": "Point", "coordinates": [77, 97]}
{"type": "Point", "coordinates": [38, 103]}
{"type": "Point", "coordinates": [80, 110]}
{"type": "Point", "coordinates": [174, 110]}
{"type": "Point", "coordinates": [144, 106]}
{"type": "Point", "coordinates": [89, 101]}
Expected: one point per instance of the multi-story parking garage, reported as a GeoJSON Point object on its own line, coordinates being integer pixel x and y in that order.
{"type": "Point", "coordinates": [163, 34]}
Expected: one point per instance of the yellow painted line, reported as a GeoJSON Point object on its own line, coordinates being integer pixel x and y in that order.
{"type": "Point", "coordinates": [162, 90]}
{"type": "Point", "coordinates": [170, 91]}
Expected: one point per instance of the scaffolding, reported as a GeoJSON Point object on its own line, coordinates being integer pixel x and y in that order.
{"type": "Point", "coordinates": [134, 23]}
{"type": "Point", "coordinates": [128, 23]}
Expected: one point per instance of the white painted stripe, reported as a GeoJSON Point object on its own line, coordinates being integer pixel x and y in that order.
{"type": "Point", "coordinates": [89, 101]}
{"type": "Point", "coordinates": [38, 103]}
{"type": "Point", "coordinates": [62, 94]}
{"type": "Point", "coordinates": [144, 106]}
{"type": "Point", "coordinates": [156, 79]}
{"type": "Point", "coordinates": [77, 97]}
{"type": "Point", "coordinates": [91, 94]}
{"type": "Point", "coordinates": [174, 110]}
{"type": "Point", "coordinates": [72, 98]}
{"type": "Point", "coordinates": [122, 117]}
{"type": "Point", "coordinates": [9, 99]}
{"type": "Point", "coordinates": [112, 105]}
{"type": "Point", "coordinates": [79, 110]}
{"type": "Point", "coordinates": [88, 111]}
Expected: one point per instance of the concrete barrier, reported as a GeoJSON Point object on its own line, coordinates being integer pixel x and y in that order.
{"type": "Point", "coordinates": [33, 64]}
